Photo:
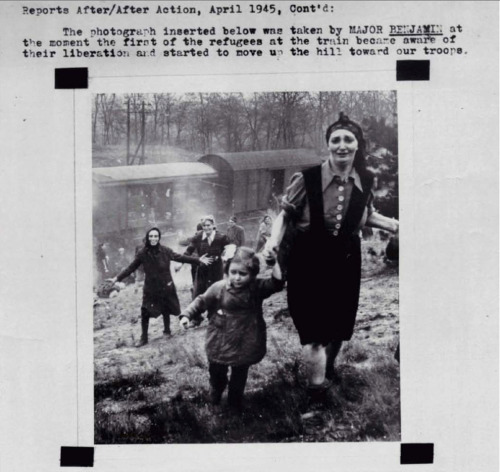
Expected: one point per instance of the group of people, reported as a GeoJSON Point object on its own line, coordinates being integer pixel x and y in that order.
{"type": "Point", "coordinates": [315, 236]}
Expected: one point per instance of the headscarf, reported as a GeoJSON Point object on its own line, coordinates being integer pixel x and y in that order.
{"type": "Point", "coordinates": [146, 238]}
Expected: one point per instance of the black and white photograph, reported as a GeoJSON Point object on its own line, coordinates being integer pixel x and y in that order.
{"type": "Point", "coordinates": [249, 235]}
{"type": "Point", "coordinates": [246, 267]}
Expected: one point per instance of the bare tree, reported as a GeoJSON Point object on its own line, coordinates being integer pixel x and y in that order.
{"type": "Point", "coordinates": [252, 116]}
{"type": "Point", "coordinates": [95, 113]}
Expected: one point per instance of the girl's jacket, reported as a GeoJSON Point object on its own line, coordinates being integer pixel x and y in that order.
{"type": "Point", "coordinates": [236, 333]}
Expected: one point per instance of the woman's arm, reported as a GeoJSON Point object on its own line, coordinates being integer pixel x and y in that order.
{"type": "Point", "coordinates": [128, 270]}
{"type": "Point", "coordinates": [183, 257]}
{"type": "Point", "coordinates": [276, 273]}
{"type": "Point", "coordinates": [272, 284]}
{"type": "Point", "coordinates": [194, 260]}
{"type": "Point", "coordinates": [278, 231]}
{"type": "Point", "coordinates": [376, 220]}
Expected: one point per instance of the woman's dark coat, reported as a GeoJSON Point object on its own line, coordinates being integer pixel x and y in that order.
{"type": "Point", "coordinates": [159, 290]}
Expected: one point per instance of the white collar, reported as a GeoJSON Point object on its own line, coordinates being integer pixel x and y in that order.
{"type": "Point", "coordinates": [327, 175]}
{"type": "Point", "coordinates": [210, 238]}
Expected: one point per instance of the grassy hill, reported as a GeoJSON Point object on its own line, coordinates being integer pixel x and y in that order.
{"type": "Point", "coordinates": [159, 393]}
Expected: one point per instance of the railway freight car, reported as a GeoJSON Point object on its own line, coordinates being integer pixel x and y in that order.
{"type": "Point", "coordinates": [249, 181]}
{"type": "Point", "coordinates": [129, 199]}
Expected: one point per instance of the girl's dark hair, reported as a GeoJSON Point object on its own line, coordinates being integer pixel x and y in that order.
{"type": "Point", "coordinates": [146, 238]}
{"type": "Point", "coordinates": [247, 257]}
{"type": "Point", "coordinates": [264, 218]}
{"type": "Point", "coordinates": [345, 123]}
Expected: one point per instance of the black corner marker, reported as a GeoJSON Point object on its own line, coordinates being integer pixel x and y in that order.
{"type": "Point", "coordinates": [77, 456]}
{"type": "Point", "coordinates": [421, 453]}
{"type": "Point", "coordinates": [72, 78]}
{"type": "Point", "coordinates": [413, 70]}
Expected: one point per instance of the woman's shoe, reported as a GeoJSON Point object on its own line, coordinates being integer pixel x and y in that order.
{"type": "Point", "coordinates": [215, 396]}
{"type": "Point", "coordinates": [318, 393]}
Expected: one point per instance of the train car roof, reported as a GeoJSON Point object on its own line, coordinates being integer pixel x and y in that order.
{"type": "Point", "coordinates": [151, 173]}
{"type": "Point", "coordinates": [275, 159]}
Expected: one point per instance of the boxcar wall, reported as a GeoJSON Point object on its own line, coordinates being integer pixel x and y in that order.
{"type": "Point", "coordinates": [252, 190]}
{"type": "Point", "coordinates": [123, 212]}
{"type": "Point", "coordinates": [224, 187]}
{"type": "Point", "coordinates": [251, 181]}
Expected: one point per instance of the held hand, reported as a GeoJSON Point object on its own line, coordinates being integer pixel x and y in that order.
{"type": "Point", "coordinates": [184, 322]}
{"type": "Point", "coordinates": [270, 251]}
{"type": "Point", "coordinates": [205, 260]}
{"type": "Point", "coordinates": [229, 252]}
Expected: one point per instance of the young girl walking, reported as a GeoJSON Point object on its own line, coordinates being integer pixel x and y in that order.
{"type": "Point", "coordinates": [236, 333]}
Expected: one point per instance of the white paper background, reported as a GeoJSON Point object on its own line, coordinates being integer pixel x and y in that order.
{"type": "Point", "coordinates": [448, 138]}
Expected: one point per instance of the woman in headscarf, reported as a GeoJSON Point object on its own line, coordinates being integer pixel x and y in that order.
{"type": "Point", "coordinates": [324, 209]}
{"type": "Point", "coordinates": [159, 293]}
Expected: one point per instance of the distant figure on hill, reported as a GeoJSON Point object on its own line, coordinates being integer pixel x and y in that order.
{"type": "Point", "coordinates": [264, 232]}
{"type": "Point", "coordinates": [120, 263]}
{"type": "Point", "coordinates": [235, 233]}
{"type": "Point", "coordinates": [102, 259]}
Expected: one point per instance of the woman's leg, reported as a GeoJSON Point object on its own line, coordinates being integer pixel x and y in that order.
{"type": "Point", "coordinates": [315, 357]}
{"type": "Point", "coordinates": [166, 324]}
{"type": "Point", "coordinates": [237, 384]}
{"type": "Point", "coordinates": [332, 351]}
{"type": "Point", "coordinates": [218, 381]}
{"type": "Point", "coordinates": [144, 327]}
{"type": "Point", "coordinates": [315, 360]}
{"type": "Point", "coordinates": [199, 287]}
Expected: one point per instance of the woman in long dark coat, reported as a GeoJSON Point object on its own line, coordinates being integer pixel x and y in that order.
{"type": "Point", "coordinates": [211, 243]}
{"type": "Point", "coordinates": [159, 293]}
{"type": "Point", "coordinates": [324, 209]}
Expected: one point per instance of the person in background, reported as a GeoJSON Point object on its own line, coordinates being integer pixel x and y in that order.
{"type": "Point", "coordinates": [159, 293]}
{"type": "Point", "coordinates": [264, 232]}
{"type": "Point", "coordinates": [121, 263]}
{"type": "Point", "coordinates": [236, 333]}
{"type": "Point", "coordinates": [185, 242]}
{"type": "Point", "coordinates": [212, 243]}
{"type": "Point", "coordinates": [102, 261]}
{"type": "Point", "coordinates": [325, 207]}
{"type": "Point", "coordinates": [235, 233]}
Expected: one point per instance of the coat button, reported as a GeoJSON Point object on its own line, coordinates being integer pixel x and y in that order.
{"type": "Point", "coordinates": [335, 233]}
{"type": "Point", "coordinates": [339, 217]}
{"type": "Point", "coordinates": [341, 198]}
{"type": "Point", "coordinates": [341, 188]}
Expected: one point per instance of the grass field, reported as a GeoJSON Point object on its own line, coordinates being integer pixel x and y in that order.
{"type": "Point", "coordinates": [159, 393]}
